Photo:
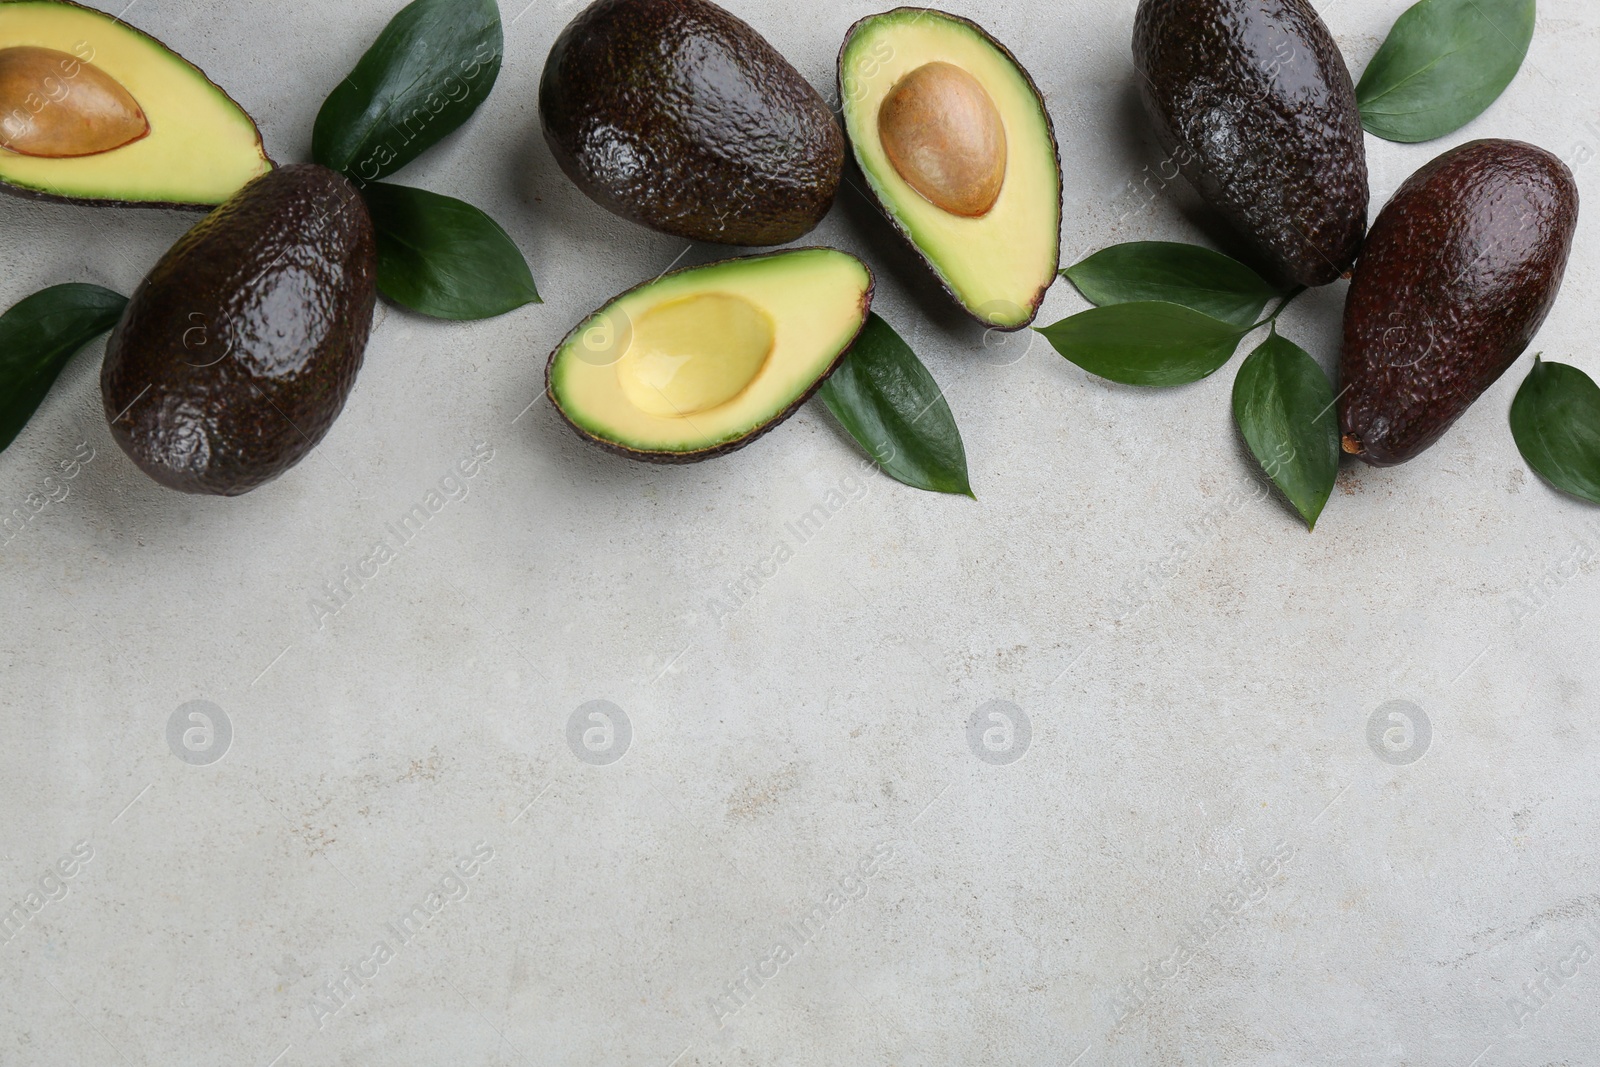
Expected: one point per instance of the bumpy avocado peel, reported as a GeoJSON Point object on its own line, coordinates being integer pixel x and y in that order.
{"type": "Point", "coordinates": [1274, 145]}
{"type": "Point", "coordinates": [1471, 250]}
{"type": "Point", "coordinates": [237, 351]}
{"type": "Point", "coordinates": [728, 145]}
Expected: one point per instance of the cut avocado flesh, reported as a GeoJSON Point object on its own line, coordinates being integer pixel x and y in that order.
{"type": "Point", "coordinates": [704, 360]}
{"type": "Point", "coordinates": [958, 150]}
{"type": "Point", "coordinates": [93, 110]}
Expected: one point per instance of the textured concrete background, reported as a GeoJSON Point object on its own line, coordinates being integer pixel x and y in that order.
{"type": "Point", "coordinates": [1197, 809]}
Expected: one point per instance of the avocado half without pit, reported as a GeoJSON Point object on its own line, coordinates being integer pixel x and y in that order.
{"type": "Point", "coordinates": [237, 351]}
{"type": "Point", "coordinates": [958, 150]}
{"type": "Point", "coordinates": [92, 110]}
{"type": "Point", "coordinates": [704, 360]}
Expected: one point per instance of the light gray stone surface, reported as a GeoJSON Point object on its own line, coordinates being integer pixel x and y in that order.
{"type": "Point", "coordinates": [1223, 722]}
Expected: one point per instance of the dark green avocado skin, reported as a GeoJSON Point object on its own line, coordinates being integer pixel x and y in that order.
{"type": "Point", "coordinates": [237, 351]}
{"type": "Point", "coordinates": [1252, 100]}
{"type": "Point", "coordinates": [1457, 276]}
{"type": "Point", "coordinates": [677, 115]}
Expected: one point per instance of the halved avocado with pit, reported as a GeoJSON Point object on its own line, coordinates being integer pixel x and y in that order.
{"type": "Point", "coordinates": [958, 150]}
{"type": "Point", "coordinates": [704, 360]}
{"type": "Point", "coordinates": [94, 111]}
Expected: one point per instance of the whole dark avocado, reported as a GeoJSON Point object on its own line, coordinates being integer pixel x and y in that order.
{"type": "Point", "coordinates": [1457, 276]}
{"type": "Point", "coordinates": [677, 115]}
{"type": "Point", "coordinates": [1252, 101]}
{"type": "Point", "coordinates": [236, 352]}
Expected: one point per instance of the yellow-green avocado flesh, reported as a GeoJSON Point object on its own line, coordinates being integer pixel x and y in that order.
{"type": "Point", "coordinates": [999, 265]}
{"type": "Point", "coordinates": [703, 360]}
{"type": "Point", "coordinates": [201, 147]}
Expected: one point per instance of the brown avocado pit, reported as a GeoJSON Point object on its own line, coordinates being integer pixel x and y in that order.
{"type": "Point", "coordinates": [56, 106]}
{"type": "Point", "coordinates": [943, 134]}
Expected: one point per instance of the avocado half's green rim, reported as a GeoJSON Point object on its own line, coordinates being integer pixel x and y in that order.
{"type": "Point", "coordinates": [1037, 300]}
{"type": "Point", "coordinates": [25, 193]}
{"type": "Point", "coordinates": [725, 447]}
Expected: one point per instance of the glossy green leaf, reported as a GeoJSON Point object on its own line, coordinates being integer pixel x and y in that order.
{"type": "Point", "coordinates": [889, 402]}
{"type": "Point", "coordinates": [1145, 343]}
{"type": "Point", "coordinates": [1555, 419]}
{"type": "Point", "coordinates": [1209, 282]}
{"type": "Point", "coordinates": [1283, 405]}
{"type": "Point", "coordinates": [445, 258]}
{"type": "Point", "coordinates": [425, 74]}
{"type": "Point", "coordinates": [1443, 64]}
{"type": "Point", "coordinates": [37, 338]}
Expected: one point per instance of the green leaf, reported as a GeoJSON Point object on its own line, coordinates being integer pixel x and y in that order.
{"type": "Point", "coordinates": [443, 257]}
{"type": "Point", "coordinates": [889, 402]}
{"type": "Point", "coordinates": [1555, 419]}
{"type": "Point", "coordinates": [425, 74]}
{"type": "Point", "coordinates": [1444, 62]}
{"type": "Point", "coordinates": [1209, 282]}
{"type": "Point", "coordinates": [37, 338]}
{"type": "Point", "coordinates": [1283, 403]}
{"type": "Point", "coordinates": [1145, 343]}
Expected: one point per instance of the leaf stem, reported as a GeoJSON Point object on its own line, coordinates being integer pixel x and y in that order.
{"type": "Point", "coordinates": [1272, 319]}
{"type": "Point", "coordinates": [1287, 301]}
